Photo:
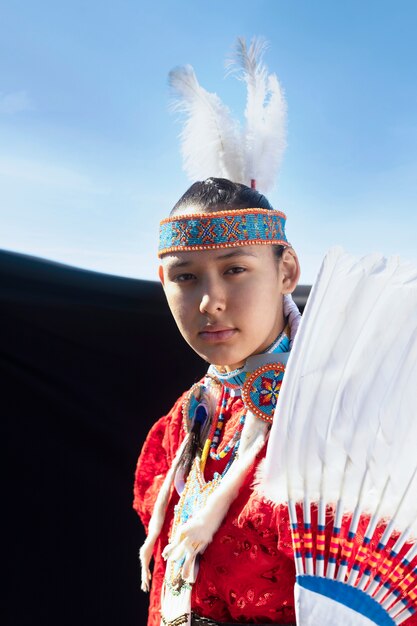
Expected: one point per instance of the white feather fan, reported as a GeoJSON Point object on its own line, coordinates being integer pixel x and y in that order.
{"type": "Point", "coordinates": [343, 447]}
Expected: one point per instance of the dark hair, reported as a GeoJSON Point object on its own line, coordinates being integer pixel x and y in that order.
{"type": "Point", "coordinates": [219, 194]}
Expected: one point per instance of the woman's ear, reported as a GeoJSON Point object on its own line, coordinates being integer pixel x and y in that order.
{"type": "Point", "coordinates": [290, 270]}
{"type": "Point", "coordinates": [161, 275]}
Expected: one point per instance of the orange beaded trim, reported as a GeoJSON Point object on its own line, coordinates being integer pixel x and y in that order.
{"type": "Point", "coordinates": [199, 216]}
{"type": "Point", "coordinates": [219, 246]}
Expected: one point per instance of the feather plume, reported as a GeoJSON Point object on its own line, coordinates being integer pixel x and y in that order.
{"type": "Point", "coordinates": [346, 435]}
{"type": "Point", "coordinates": [264, 135]}
{"type": "Point", "coordinates": [210, 141]}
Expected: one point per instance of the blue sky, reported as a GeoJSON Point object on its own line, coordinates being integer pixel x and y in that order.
{"type": "Point", "coordinates": [89, 153]}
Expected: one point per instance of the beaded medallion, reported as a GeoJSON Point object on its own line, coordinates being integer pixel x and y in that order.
{"type": "Point", "coordinates": [261, 390]}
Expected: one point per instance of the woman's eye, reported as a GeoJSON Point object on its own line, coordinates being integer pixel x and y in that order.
{"type": "Point", "coordinates": [182, 278]}
{"type": "Point", "coordinates": [236, 270]}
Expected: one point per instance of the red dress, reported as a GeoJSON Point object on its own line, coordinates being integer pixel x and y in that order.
{"type": "Point", "coordinates": [247, 573]}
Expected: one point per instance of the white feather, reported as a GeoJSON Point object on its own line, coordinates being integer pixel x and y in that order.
{"type": "Point", "coordinates": [265, 113]}
{"type": "Point", "coordinates": [210, 140]}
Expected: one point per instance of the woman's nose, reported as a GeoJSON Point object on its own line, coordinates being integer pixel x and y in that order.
{"type": "Point", "coordinates": [212, 300]}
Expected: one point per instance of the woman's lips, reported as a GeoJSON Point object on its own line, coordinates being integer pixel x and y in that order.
{"type": "Point", "coordinates": [217, 335]}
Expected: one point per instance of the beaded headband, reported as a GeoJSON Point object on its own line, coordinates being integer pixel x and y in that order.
{"type": "Point", "coordinates": [223, 229]}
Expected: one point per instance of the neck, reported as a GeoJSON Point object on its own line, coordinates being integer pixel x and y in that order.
{"type": "Point", "coordinates": [226, 369]}
{"type": "Point", "coordinates": [233, 379]}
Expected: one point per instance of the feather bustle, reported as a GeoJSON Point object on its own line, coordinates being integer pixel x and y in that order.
{"type": "Point", "coordinates": [346, 434]}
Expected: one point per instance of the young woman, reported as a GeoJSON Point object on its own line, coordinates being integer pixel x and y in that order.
{"type": "Point", "coordinates": [222, 554]}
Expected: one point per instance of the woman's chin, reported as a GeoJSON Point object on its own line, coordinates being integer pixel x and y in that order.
{"type": "Point", "coordinates": [227, 363]}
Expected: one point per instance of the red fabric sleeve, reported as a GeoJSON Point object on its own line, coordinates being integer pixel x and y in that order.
{"type": "Point", "coordinates": [155, 460]}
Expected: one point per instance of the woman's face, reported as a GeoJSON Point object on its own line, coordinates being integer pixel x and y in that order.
{"type": "Point", "coordinates": [227, 303]}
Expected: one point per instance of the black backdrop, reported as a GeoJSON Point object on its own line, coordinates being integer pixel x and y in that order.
{"type": "Point", "coordinates": [88, 362]}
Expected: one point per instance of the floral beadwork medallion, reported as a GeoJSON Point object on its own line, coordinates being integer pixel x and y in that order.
{"type": "Point", "coordinates": [261, 390]}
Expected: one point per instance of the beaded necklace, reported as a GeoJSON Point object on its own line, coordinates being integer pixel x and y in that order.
{"type": "Point", "coordinates": [219, 452]}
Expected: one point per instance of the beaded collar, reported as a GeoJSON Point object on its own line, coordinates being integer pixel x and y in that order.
{"type": "Point", "coordinates": [234, 380]}
{"type": "Point", "coordinates": [258, 382]}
